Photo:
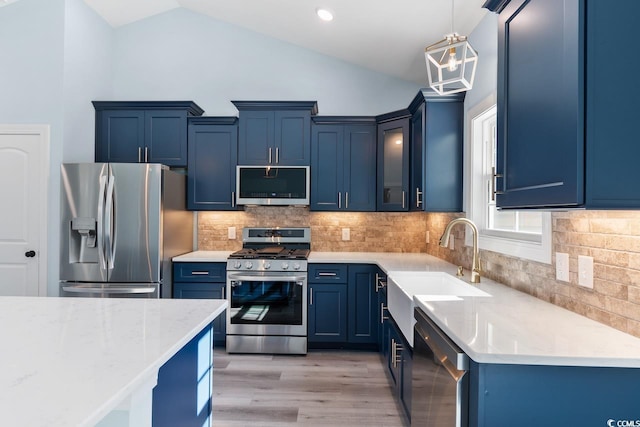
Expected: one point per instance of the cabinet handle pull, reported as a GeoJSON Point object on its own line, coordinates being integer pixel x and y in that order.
{"type": "Point", "coordinates": [395, 349]}
{"type": "Point", "coordinates": [382, 309]}
{"type": "Point", "coordinates": [380, 283]}
{"type": "Point", "coordinates": [339, 200]}
{"type": "Point", "coordinates": [403, 198]}
{"type": "Point", "coordinates": [346, 200]}
{"type": "Point", "coordinates": [494, 178]}
{"type": "Point", "coordinates": [146, 154]}
{"type": "Point", "coordinates": [418, 194]}
{"type": "Point", "coordinates": [277, 155]}
{"type": "Point", "coordinates": [377, 278]}
{"type": "Point", "coordinates": [327, 273]}
{"type": "Point", "coordinates": [233, 199]}
{"type": "Point", "coordinates": [139, 155]}
{"type": "Point", "coordinates": [393, 352]}
{"type": "Point", "coordinates": [269, 155]}
{"type": "Point", "coordinates": [199, 273]}
{"type": "Point", "coordinates": [310, 296]}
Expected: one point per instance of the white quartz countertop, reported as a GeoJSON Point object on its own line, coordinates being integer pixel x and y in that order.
{"type": "Point", "coordinates": [508, 327]}
{"type": "Point", "coordinates": [515, 328]}
{"type": "Point", "coordinates": [70, 361]}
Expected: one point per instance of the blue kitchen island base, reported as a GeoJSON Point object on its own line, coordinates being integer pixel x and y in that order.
{"type": "Point", "coordinates": [535, 396]}
{"type": "Point", "coordinates": [182, 396]}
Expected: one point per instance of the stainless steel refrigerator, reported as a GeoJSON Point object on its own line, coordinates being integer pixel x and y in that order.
{"type": "Point", "coordinates": [121, 225]}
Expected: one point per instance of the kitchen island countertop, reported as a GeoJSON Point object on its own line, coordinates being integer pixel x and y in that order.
{"type": "Point", "coordinates": [71, 361]}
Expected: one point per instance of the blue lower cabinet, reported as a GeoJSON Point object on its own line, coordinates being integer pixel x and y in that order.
{"type": "Point", "coordinates": [203, 291]}
{"type": "Point", "coordinates": [382, 313]}
{"type": "Point", "coordinates": [343, 308]}
{"type": "Point", "coordinates": [327, 313]}
{"type": "Point", "coordinates": [398, 357]}
{"type": "Point", "coordinates": [406, 371]}
{"type": "Point", "coordinates": [182, 396]}
{"type": "Point", "coordinates": [201, 280]}
{"type": "Point", "coordinates": [363, 305]}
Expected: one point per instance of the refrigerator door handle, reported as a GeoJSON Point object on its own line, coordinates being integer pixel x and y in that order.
{"type": "Point", "coordinates": [109, 223]}
{"type": "Point", "coordinates": [100, 220]}
{"type": "Point", "coordinates": [113, 290]}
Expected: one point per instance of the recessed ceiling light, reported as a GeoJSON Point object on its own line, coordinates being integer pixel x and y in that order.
{"type": "Point", "coordinates": [324, 14]}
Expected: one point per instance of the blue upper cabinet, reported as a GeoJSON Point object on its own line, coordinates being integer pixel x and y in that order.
{"type": "Point", "coordinates": [566, 135]}
{"type": "Point", "coordinates": [275, 132]}
{"type": "Point", "coordinates": [393, 161]}
{"type": "Point", "coordinates": [343, 164]}
{"type": "Point", "coordinates": [213, 148]}
{"type": "Point", "coordinates": [143, 132]}
{"type": "Point", "coordinates": [436, 152]}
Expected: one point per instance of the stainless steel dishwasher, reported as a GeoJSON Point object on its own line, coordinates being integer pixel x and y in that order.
{"type": "Point", "coordinates": [440, 383]}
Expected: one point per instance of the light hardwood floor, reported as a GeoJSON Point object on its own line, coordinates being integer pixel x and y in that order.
{"type": "Point", "coordinates": [323, 388]}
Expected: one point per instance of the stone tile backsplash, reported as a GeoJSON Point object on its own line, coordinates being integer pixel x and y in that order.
{"type": "Point", "coordinates": [612, 238]}
{"type": "Point", "coordinates": [370, 231]}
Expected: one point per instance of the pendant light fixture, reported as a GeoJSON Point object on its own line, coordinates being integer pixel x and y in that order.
{"type": "Point", "coordinates": [451, 63]}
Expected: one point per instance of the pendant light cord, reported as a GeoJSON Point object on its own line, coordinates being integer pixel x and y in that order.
{"type": "Point", "coordinates": [452, 14]}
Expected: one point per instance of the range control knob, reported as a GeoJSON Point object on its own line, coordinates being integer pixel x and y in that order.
{"type": "Point", "coordinates": [285, 265]}
{"type": "Point", "coordinates": [248, 265]}
{"type": "Point", "coordinates": [267, 265]}
{"type": "Point", "coordinates": [296, 266]}
{"type": "Point", "coordinates": [237, 264]}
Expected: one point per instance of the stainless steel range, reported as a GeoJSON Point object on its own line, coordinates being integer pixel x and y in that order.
{"type": "Point", "coordinates": [267, 292]}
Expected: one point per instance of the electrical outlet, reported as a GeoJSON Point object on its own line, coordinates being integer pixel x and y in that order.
{"type": "Point", "coordinates": [231, 233]}
{"type": "Point", "coordinates": [562, 266]}
{"type": "Point", "coordinates": [346, 234]}
{"type": "Point", "coordinates": [427, 236]}
{"type": "Point", "coordinates": [585, 271]}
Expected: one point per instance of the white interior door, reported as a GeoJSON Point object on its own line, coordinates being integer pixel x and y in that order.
{"type": "Point", "coordinates": [23, 203]}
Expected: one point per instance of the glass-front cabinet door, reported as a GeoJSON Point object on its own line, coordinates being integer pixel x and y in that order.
{"type": "Point", "coordinates": [393, 165]}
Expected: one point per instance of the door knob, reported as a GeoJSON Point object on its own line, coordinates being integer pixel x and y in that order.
{"type": "Point", "coordinates": [30, 254]}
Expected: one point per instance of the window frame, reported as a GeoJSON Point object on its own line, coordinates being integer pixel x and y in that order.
{"type": "Point", "coordinates": [515, 244]}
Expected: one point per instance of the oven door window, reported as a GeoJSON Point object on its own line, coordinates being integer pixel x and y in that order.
{"type": "Point", "coordinates": [266, 302]}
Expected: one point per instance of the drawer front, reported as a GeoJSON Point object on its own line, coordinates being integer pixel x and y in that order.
{"type": "Point", "coordinates": [327, 273]}
{"type": "Point", "coordinates": [199, 272]}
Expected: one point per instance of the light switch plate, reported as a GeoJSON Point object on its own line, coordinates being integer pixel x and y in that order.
{"type": "Point", "coordinates": [427, 236]}
{"type": "Point", "coordinates": [231, 233]}
{"type": "Point", "coordinates": [451, 244]}
{"type": "Point", "coordinates": [562, 266]}
{"type": "Point", "coordinates": [585, 271]}
{"type": "Point", "coordinates": [346, 234]}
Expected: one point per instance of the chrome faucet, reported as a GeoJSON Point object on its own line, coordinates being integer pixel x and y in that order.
{"type": "Point", "coordinates": [444, 242]}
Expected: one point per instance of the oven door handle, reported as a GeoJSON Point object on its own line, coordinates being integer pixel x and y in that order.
{"type": "Point", "coordinates": [259, 277]}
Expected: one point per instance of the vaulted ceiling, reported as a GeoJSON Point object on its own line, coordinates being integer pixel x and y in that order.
{"type": "Point", "coordinates": [382, 35]}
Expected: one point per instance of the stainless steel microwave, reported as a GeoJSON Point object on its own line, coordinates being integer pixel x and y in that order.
{"type": "Point", "coordinates": [272, 185]}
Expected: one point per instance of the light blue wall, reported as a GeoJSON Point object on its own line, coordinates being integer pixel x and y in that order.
{"type": "Point", "coordinates": [54, 57]}
{"type": "Point", "coordinates": [31, 70]}
{"type": "Point", "coordinates": [31, 62]}
{"type": "Point", "coordinates": [88, 52]}
{"type": "Point", "coordinates": [484, 40]}
{"type": "Point", "coordinates": [184, 55]}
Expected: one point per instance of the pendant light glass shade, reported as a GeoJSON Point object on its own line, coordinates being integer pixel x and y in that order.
{"type": "Point", "coordinates": [451, 65]}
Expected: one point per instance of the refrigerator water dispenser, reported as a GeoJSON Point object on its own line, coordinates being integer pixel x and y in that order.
{"type": "Point", "coordinates": [82, 239]}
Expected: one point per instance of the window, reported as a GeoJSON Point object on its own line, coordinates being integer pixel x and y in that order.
{"type": "Point", "coordinates": [523, 234]}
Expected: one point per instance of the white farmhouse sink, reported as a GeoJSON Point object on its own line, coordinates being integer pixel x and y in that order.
{"type": "Point", "coordinates": [435, 286]}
